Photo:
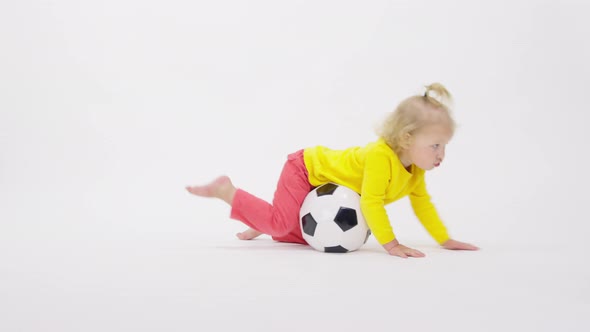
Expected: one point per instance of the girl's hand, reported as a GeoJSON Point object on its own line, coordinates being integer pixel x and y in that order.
{"type": "Point", "coordinates": [456, 245]}
{"type": "Point", "coordinates": [395, 249]}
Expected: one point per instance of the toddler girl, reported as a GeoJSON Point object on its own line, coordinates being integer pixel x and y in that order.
{"type": "Point", "coordinates": [411, 140]}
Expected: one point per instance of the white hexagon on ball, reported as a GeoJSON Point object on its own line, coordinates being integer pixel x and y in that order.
{"type": "Point", "coordinates": [331, 219]}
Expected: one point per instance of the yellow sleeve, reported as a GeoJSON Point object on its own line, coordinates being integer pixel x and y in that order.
{"type": "Point", "coordinates": [376, 178]}
{"type": "Point", "coordinates": [426, 213]}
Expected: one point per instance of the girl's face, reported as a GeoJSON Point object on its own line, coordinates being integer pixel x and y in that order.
{"type": "Point", "coordinates": [427, 147]}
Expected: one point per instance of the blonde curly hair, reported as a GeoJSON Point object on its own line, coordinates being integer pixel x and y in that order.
{"type": "Point", "coordinates": [415, 113]}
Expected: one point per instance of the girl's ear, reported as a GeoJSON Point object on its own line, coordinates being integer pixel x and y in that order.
{"type": "Point", "coordinates": [405, 140]}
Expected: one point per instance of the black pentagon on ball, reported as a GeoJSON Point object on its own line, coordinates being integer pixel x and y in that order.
{"type": "Point", "coordinates": [346, 218]}
{"type": "Point", "coordinates": [326, 189]}
{"type": "Point", "coordinates": [309, 224]}
{"type": "Point", "coordinates": [336, 249]}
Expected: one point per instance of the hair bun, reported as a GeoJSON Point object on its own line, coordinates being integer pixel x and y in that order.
{"type": "Point", "coordinates": [437, 94]}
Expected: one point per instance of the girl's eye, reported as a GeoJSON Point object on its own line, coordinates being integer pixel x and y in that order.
{"type": "Point", "coordinates": [435, 146]}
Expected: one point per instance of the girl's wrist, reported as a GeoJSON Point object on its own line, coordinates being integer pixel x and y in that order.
{"type": "Point", "coordinates": [390, 245]}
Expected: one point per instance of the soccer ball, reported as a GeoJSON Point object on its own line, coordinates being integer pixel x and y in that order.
{"type": "Point", "coordinates": [331, 219]}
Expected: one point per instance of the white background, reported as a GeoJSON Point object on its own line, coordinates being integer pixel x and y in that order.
{"type": "Point", "coordinates": [109, 108]}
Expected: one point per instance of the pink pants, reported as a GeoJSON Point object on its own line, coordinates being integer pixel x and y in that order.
{"type": "Point", "coordinates": [281, 219]}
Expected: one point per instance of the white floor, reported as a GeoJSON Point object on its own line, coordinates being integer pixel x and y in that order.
{"type": "Point", "coordinates": [137, 280]}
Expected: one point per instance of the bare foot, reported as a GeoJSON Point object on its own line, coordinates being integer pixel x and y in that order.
{"type": "Point", "coordinates": [221, 187]}
{"type": "Point", "coordinates": [248, 234]}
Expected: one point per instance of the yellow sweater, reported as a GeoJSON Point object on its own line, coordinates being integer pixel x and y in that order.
{"type": "Point", "coordinates": [376, 173]}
